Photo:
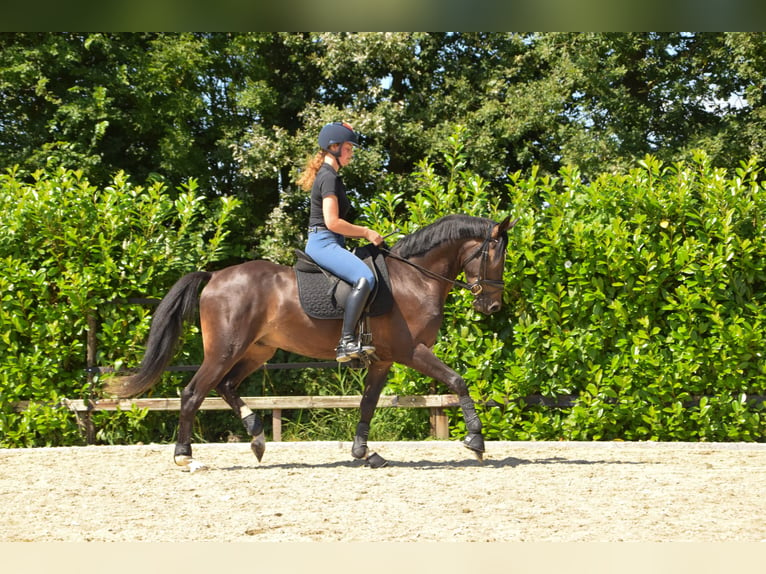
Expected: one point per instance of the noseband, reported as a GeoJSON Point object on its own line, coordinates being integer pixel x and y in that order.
{"type": "Point", "coordinates": [477, 286]}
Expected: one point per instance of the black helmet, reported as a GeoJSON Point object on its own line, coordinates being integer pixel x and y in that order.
{"type": "Point", "coordinates": [337, 133]}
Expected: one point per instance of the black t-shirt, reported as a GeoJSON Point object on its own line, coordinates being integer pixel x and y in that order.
{"type": "Point", "coordinates": [327, 182]}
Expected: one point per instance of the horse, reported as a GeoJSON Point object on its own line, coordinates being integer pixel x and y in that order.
{"type": "Point", "coordinates": [250, 310]}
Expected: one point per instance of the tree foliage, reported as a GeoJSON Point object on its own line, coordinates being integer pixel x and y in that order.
{"type": "Point", "coordinates": [240, 112]}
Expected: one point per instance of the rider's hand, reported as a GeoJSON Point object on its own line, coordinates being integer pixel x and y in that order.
{"type": "Point", "coordinates": [374, 237]}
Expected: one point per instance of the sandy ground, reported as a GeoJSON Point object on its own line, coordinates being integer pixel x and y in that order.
{"type": "Point", "coordinates": [431, 491]}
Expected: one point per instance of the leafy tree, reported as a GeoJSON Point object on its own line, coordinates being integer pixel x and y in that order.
{"type": "Point", "coordinates": [631, 94]}
{"type": "Point", "coordinates": [527, 102]}
{"type": "Point", "coordinates": [240, 112]}
{"type": "Point", "coordinates": [151, 105]}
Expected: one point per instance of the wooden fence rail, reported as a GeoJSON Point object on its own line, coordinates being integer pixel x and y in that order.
{"type": "Point", "coordinates": [435, 403]}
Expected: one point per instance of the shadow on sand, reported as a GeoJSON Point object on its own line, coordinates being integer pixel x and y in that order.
{"type": "Point", "coordinates": [508, 462]}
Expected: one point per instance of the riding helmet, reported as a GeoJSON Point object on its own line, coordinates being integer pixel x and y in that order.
{"type": "Point", "coordinates": [337, 133]}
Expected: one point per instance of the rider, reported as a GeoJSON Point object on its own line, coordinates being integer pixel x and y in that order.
{"type": "Point", "coordinates": [328, 228]}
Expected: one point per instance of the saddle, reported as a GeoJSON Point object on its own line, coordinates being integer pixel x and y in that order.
{"type": "Point", "coordinates": [323, 295]}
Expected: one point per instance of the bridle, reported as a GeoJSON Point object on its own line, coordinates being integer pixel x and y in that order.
{"type": "Point", "coordinates": [477, 286]}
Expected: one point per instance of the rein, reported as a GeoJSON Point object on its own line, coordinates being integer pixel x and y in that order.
{"type": "Point", "coordinates": [476, 287]}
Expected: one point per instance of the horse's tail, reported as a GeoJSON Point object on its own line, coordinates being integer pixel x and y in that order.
{"type": "Point", "coordinates": [177, 306]}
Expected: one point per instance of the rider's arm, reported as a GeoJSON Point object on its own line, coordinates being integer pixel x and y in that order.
{"type": "Point", "coordinates": [336, 224]}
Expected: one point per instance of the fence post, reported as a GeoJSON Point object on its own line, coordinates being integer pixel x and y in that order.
{"type": "Point", "coordinates": [276, 425]}
{"type": "Point", "coordinates": [439, 423]}
{"type": "Point", "coordinates": [90, 363]}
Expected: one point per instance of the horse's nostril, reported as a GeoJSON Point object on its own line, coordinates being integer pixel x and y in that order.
{"type": "Point", "coordinates": [494, 307]}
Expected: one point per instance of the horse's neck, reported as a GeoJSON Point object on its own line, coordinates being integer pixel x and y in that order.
{"type": "Point", "coordinates": [449, 257]}
{"type": "Point", "coordinates": [443, 260]}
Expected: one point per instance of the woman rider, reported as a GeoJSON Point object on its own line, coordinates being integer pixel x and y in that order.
{"type": "Point", "coordinates": [328, 228]}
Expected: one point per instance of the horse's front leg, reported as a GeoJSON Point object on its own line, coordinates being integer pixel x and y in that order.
{"type": "Point", "coordinates": [425, 362]}
{"type": "Point", "coordinates": [373, 385]}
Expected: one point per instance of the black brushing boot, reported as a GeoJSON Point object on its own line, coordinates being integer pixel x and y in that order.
{"type": "Point", "coordinates": [348, 347]}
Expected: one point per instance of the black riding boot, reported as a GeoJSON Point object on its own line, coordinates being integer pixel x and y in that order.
{"type": "Point", "coordinates": [348, 347]}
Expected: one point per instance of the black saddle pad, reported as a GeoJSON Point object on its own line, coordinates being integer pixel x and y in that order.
{"type": "Point", "coordinates": [323, 295]}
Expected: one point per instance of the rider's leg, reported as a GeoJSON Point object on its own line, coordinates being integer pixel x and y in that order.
{"type": "Point", "coordinates": [348, 346]}
{"type": "Point", "coordinates": [329, 252]}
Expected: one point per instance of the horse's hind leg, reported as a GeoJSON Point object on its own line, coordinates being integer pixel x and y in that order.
{"type": "Point", "coordinates": [191, 399]}
{"type": "Point", "coordinates": [227, 388]}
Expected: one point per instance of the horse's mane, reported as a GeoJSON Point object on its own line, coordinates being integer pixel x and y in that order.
{"type": "Point", "coordinates": [448, 228]}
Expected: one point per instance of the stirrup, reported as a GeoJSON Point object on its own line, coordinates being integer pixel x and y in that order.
{"type": "Point", "coordinates": [347, 350]}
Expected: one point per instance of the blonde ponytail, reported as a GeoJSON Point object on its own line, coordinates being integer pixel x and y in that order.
{"type": "Point", "coordinates": [307, 177]}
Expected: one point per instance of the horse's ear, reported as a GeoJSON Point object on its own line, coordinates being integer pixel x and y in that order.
{"type": "Point", "coordinates": [503, 226]}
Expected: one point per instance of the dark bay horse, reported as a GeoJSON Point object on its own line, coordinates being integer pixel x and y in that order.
{"type": "Point", "coordinates": [248, 311]}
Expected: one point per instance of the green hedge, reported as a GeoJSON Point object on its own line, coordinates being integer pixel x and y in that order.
{"type": "Point", "coordinates": [643, 295]}
{"type": "Point", "coordinates": [640, 295]}
{"type": "Point", "coordinates": [70, 251]}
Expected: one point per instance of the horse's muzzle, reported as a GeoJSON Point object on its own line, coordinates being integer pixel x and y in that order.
{"type": "Point", "coordinates": [494, 307]}
{"type": "Point", "coordinates": [487, 306]}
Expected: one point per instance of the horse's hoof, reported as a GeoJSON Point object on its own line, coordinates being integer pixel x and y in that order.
{"type": "Point", "coordinates": [478, 455]}
{"type": "Point", "coordinates": [183, 459]}
{"type": "Point", "coordinates": [360, 451]}
{"type": "Point", "coordinates": [258, 446]}
{"type": "Point", "coordinates": [475, 443]}
{"type": "Point", "coordinates": [376, 461]}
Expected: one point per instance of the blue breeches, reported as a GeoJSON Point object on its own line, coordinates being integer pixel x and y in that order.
{"type": "Point", "coordinates": [329, 251]}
